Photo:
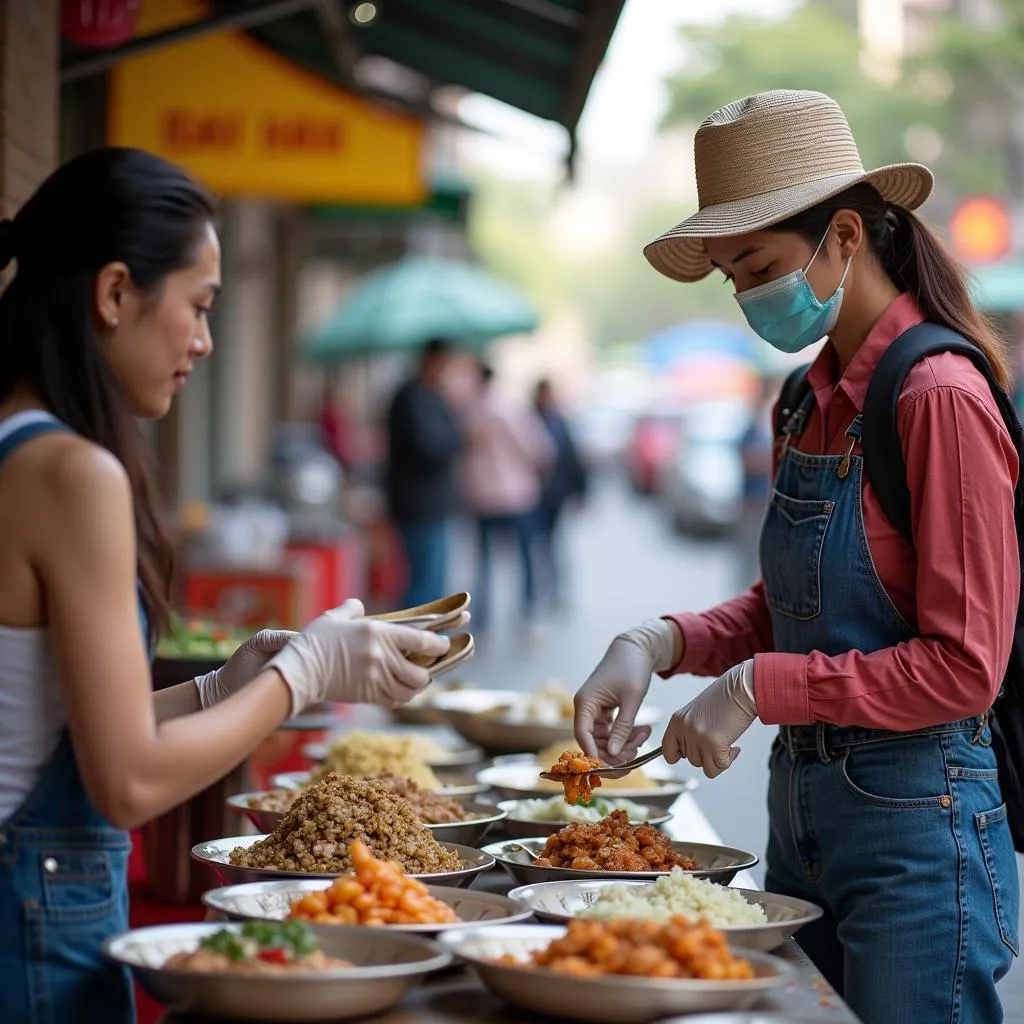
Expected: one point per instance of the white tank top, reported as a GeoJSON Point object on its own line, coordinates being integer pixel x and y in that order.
{"type": "Point", "coordinates": [32, 715]}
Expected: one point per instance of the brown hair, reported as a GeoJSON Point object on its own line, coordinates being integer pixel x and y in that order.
{"type": "Point", "coordinates": [916, 261]}
{"type": "Point", "coordinates": [108, 205]}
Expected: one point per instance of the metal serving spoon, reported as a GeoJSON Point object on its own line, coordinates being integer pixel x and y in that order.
{"type": "Point", "coordinates": [612, 771]}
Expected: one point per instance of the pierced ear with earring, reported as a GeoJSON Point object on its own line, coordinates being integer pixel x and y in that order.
{"type": "Point", "coordinates": [113, 322]}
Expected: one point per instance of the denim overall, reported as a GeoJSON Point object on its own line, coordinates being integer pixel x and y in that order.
{"type": "Point", "coordinates": [63, 885]}
{"type": "Point", "coordinates": [900, 836]}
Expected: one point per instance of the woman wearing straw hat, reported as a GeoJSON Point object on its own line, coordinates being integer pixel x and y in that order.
{"type": "Point", "coordinates": [878, 658]}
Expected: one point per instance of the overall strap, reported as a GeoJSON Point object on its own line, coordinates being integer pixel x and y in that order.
{"type": "Point", "coordinates": [794, 392]}
{"type": "Point", "coordinates": [23, 426]}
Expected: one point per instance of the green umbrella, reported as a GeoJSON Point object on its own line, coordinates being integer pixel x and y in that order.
{"type": "Point", "coordinates": [405, 305]}
{"type": "Point", "coordinates": [999, 287]}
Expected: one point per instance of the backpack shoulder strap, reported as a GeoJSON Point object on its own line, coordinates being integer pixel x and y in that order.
{"type": "Point", "coordinates": [883, 450]}
{"type": "Point", "coordinates": [794, 391]}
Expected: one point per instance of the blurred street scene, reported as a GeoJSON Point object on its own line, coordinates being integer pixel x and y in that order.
{"type": "Point", "coordinates": [441, 360]}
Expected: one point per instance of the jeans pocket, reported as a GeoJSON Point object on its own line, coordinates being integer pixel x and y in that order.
{"type": "Point", "coordinates": [907, 774]}
{"type": "Point", "coordinates": [1001, 865]}
{"type": "Point", "coordinates": [80, 884]}
{"type": "Point", "coordinates": [791, 542]}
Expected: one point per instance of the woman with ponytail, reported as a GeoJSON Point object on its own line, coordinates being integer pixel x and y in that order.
{"type": "Point", "coordinates": [878, 657]}
{"type": "Point", "coordinates": [118, 263]}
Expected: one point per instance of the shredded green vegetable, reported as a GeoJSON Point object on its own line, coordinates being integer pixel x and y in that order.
{"type": "Point", "coordinates": [295, 938]}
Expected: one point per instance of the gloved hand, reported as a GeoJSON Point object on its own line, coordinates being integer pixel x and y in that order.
{"type": "Point", "coordinates": [621, 680]}
{"type": "Point", "coordinates": [242, 667]}
{"type": "Point", "coordinates": [343, 657]}
{"type": "Point", "coordinates": [705, 730]}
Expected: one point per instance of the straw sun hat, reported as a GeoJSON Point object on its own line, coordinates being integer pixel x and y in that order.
{"type": "Point", "coordinates": [762, 159]}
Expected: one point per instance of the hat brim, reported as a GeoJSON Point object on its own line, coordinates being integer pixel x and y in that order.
{"type": "Point", "coordinates": [680, 253]}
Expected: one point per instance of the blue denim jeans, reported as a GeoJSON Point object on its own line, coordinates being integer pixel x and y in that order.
{"type": "Point", "coordinates": [525, 528]}
{"type": "Point", "coordinates": [63, 891]}
{"type": "Point", "coordinates": [904, 843]}
{"type": "Point", "coordinates": [900, 837]}
{"type": "Point", "coordinates": [426, 554]}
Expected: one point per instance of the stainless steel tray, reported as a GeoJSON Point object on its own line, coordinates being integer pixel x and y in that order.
{"type": "Point", "coordinates": [561, 901]}
{"type": "Point", "coordinates": [387, 963]}
{"type": "Point", "coordinates": [656, 816]}
{"type": "Point", "coordinates": [456, 784]}
{"type": "Point", "coordinates": [519, 780]}
{"type": "Point", "coordinates": [457, 757]}
{"type": "Point", "coordinates": [473, 714]}
{"type": "Point", "coordinates": [466, 833]}
{"type": "Point", "coordinates": [269, 901]}
{"type": "Point", "coordinates": [215, 854]}
{"type": "Point", "coordinates": [615, 999]}
{"type": "Point", "coordinates": [719, 864]}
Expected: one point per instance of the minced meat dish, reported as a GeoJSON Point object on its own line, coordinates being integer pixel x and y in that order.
{"type": "Point", "coordinates": [315, 833]}
{"type": "Point", "coordinates": [431, 808]}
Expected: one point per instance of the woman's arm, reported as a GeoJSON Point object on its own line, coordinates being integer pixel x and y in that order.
{"type": "Point", "coordinates": [134, 765]}
{"type": "Point", "coordinates": [175, 701]}
{"type": "Point", "coordinates": [961, 471]}
{"type": "Point", "coordinates": [712, 642]}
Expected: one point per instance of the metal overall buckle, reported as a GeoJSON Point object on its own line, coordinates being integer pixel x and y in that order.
{"type": "Point", "coordinates": [853, 433]}
{"type": "Point", "coordinates": [979, 736]}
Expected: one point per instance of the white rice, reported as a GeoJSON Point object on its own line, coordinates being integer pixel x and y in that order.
{"type": "Point", "coordinates": [676, 893]}
{"type": "Point", "coordinates": [556, 809]}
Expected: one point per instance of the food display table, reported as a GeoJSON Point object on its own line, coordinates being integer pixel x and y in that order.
{"type": "Point", "coordinates": [457, 996]}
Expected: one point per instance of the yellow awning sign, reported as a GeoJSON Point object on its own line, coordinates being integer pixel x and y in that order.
{"type": "Point", "coordinates": [247, 123]}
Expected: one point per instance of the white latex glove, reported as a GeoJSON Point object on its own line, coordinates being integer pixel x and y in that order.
{"type": "Point", "coordinates": [242, 667]}
{"type": "Point", "coordinates": [343, 657]}
{"type": "Point", "coordinates": [705, 730]}
{"type": "Point", "coordinates": [621, 680]}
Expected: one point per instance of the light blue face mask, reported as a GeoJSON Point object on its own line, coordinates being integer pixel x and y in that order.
{"type": "Point", "coordinates": [787, 313]}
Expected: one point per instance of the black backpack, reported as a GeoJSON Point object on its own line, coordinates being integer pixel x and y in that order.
{"type": "Point", "coordinates": [887, 472]}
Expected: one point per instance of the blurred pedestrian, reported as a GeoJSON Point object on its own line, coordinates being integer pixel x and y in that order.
{"type": "Point", "coordinates": [756, 453]}
{"type": "Point", "coordinates": [565, 481]}
{"type": "Point", "coordinates": [508, 452]}
{"type": "Point", "coordinates": [424, 441]}
{"type": "Point", "coordinates": [337, 434]}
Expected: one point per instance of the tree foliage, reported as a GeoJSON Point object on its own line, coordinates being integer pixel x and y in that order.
{"type": "Point", "coordinates": [813, 48]}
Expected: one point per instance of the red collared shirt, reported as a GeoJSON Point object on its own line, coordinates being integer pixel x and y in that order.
{"type": "Point", "coordinates": [959, 582]}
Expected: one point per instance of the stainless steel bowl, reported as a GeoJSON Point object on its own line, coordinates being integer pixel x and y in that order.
{"type": "Point", "coordinates": [718, 864]}
{"type": "Point", "coordinates": [216, 855]}
{"type": "Point", "coordinates": [269, 901]}
{"type": "Point", "coordinates": [457, 757]}
{"type": "Point", "coordinates": [519, 780]}
{"type": "Point", "coordinates": [559, 902]}
{"type": "Point", "coordinates": [387, 963]}
{"type": "Point", "coordinates": [513, 825]}
{"type": "Point", "coordinates": [615, 999]}
{"type": "Point", "coordinates": [472, 831]}
{"type": "Point", "coordinates": [476, 715]}
{"type": "Point", "coordinates": [458, 783]}
{"type": "Point", "coordinates": [466, 833]}
{"type": "Point", "coordinates": [265, 821]}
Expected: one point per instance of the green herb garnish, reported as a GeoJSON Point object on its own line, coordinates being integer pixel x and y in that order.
{"type": "Point", "coordinates": [294, 938]}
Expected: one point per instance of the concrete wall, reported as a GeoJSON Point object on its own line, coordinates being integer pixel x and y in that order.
{"type": "Point", "coordinates": [29, 54]}
{"type": "Point", "coordinates": [244, 355]}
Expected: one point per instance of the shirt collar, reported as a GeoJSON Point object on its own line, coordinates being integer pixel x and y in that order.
{"type": "Point", "coordinates": [900, 315]}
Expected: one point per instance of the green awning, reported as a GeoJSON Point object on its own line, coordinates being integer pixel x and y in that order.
{"type": "Point", "coordinates": [539, 56]}
{"type": "Point", "coordinates": [446, 200]}
{"type": "Point", "coordinates": [999, 287]}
